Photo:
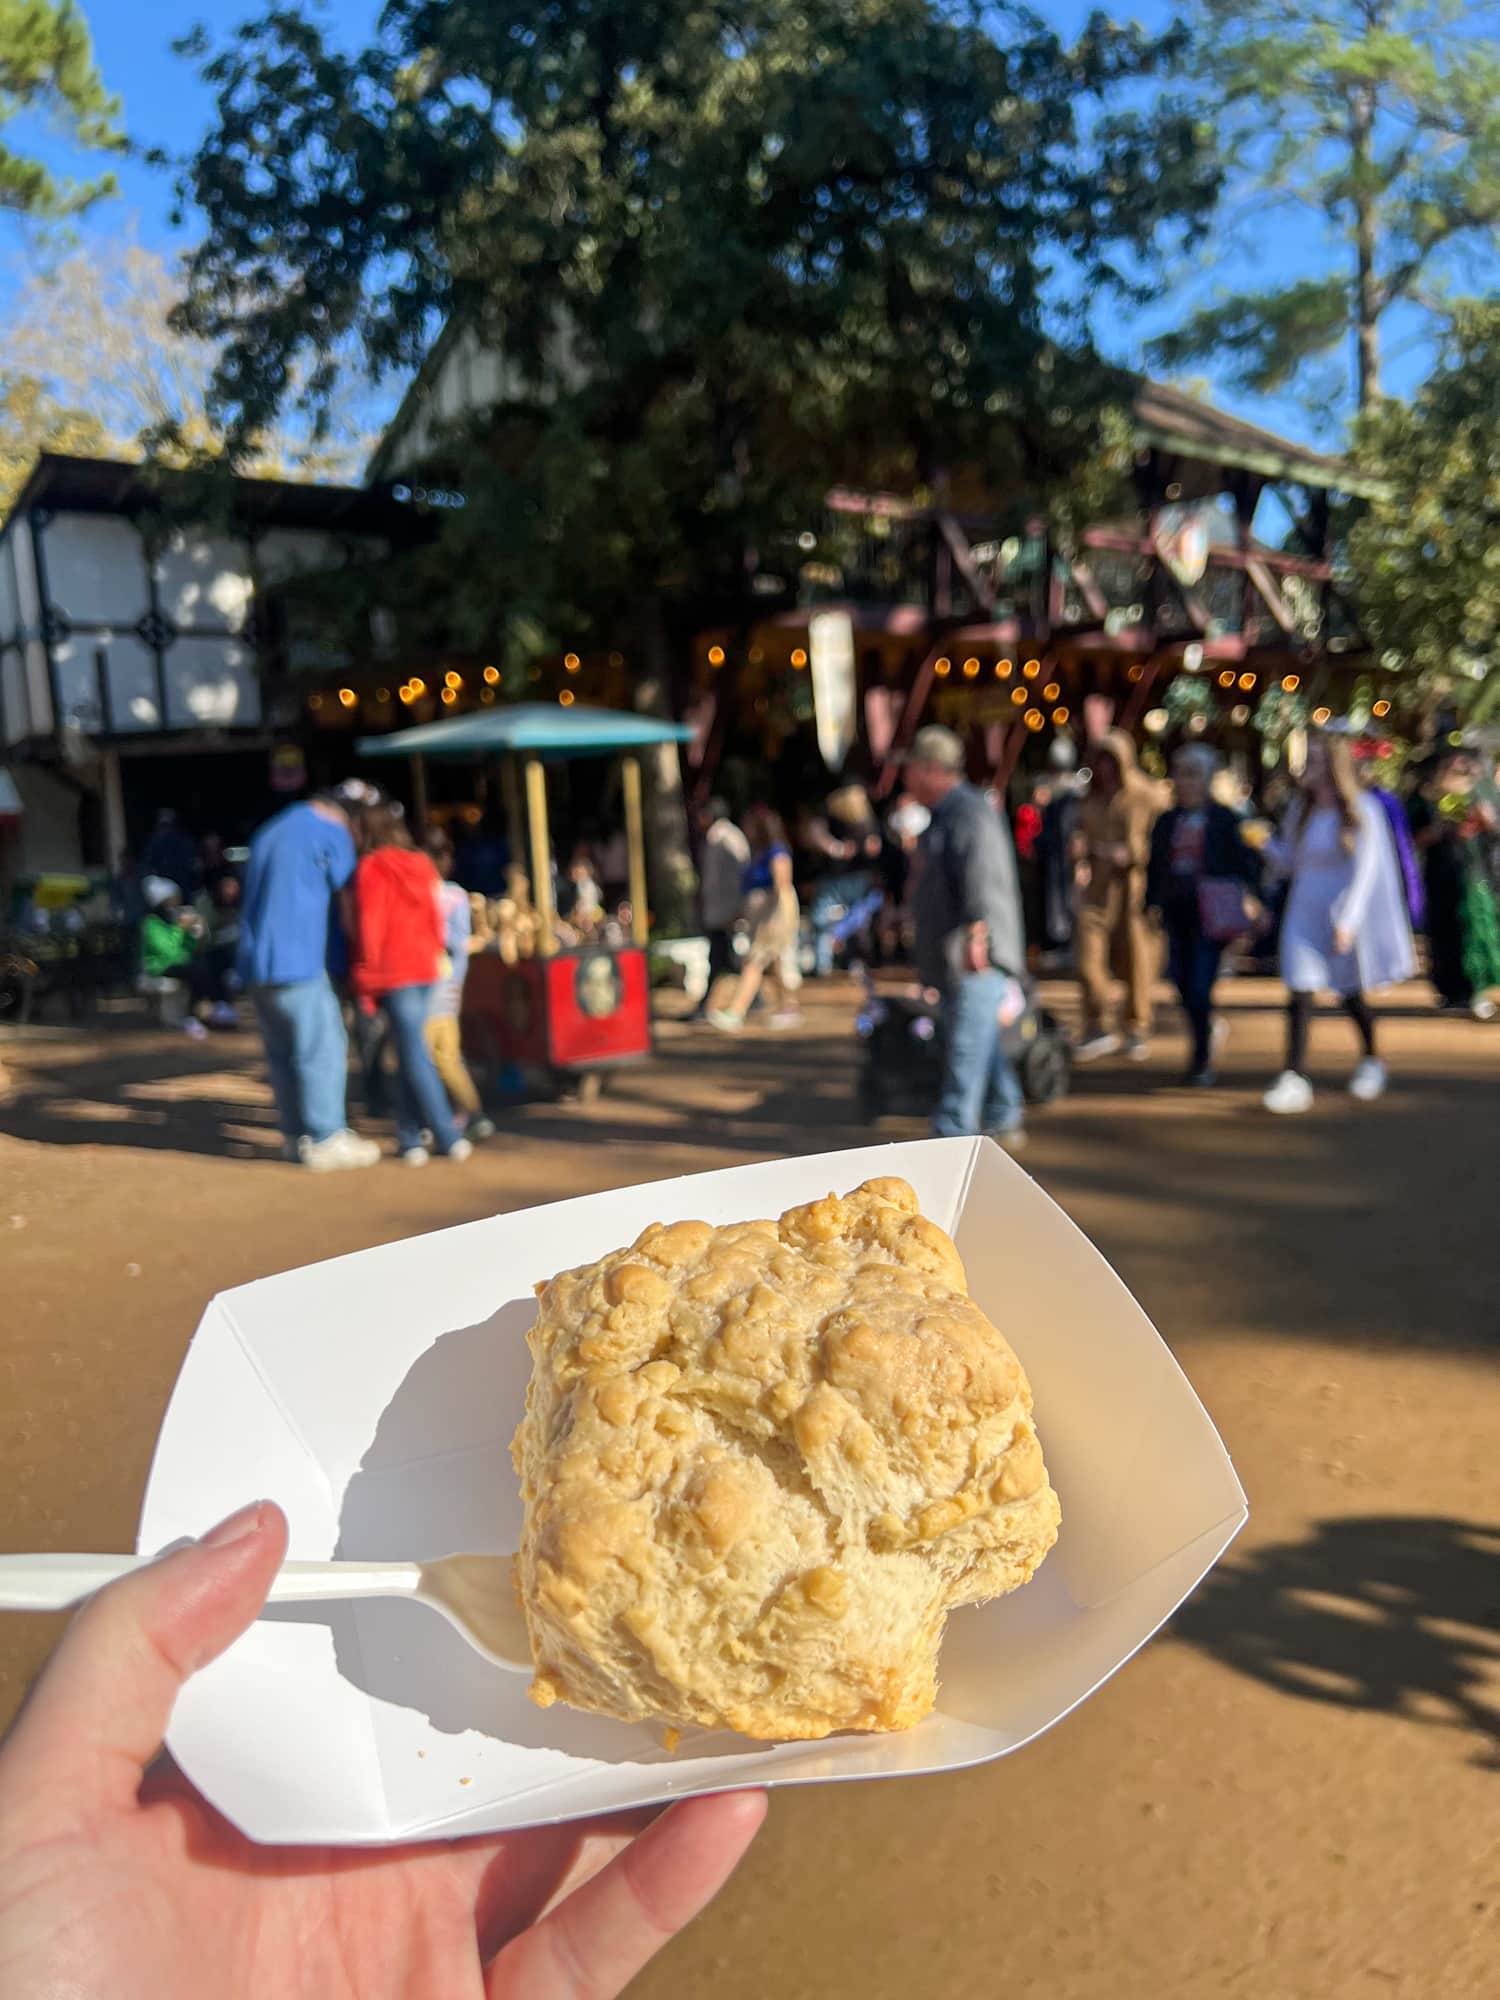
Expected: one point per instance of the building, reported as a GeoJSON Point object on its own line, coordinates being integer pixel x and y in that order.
{"type": "Point", "coordinates": [156, 632]}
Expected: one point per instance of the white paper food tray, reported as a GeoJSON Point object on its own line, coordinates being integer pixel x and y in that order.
{"type": "Point", "coordinates": [374, 1397]}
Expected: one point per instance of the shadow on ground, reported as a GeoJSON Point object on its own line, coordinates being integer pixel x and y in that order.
{"type": "Point", "coordinates": [1395, 1614]}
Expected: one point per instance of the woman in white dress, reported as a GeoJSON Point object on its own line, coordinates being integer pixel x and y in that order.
{"type": "Point", "coordinates": [1345, 929]}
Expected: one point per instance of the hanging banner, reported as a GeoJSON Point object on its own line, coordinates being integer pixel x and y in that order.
{"type": "Point", "coordinates": [830, 642]}
{"type": "Point", "coordinates": [1182, 540]}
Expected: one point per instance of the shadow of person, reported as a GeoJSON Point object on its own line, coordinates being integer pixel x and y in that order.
{"type": "Point", "coordinates": [1389, 1613]}
{"type": "Point", "coordinates": [436, 1479]}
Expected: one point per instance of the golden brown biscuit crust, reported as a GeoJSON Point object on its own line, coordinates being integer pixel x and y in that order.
{"type": "Point", "coordinates": [760, 1464]}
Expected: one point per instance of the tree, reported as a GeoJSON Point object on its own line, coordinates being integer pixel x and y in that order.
{"type": "Point", "coordinates": [1383, 117]}
{"type": "Point", "coordinates": [47, 66]}
{"type": "Point", "coordinates": [1423, 559]}
{"type": "Point", "coordinates": [731, 256]}
{"type": "Point", "coordinates": [90, 362]}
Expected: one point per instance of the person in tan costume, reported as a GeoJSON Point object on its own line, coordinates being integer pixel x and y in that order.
{"type": "Point", "coordinates": [1115, 938]}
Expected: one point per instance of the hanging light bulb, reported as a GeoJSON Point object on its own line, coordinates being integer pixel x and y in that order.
{"type": "Point", "coordinates": [1060, 716]}
{"type": "Point", "coordinates": [491, 676]}
{"type": "Point", "coordinates": [716, 656]}
{"type": "Point", "coordinates": [347, 697]}
{"type": "Point", "coordinates": [971, 669]}
{"type": "Point", "coordinates": [1051, 691]}
{"type": "Point", "coordinates": [1031, 669]}
{"type": "Point", "coordinates": [942, 668]}
{"type": "Point", "coordinates": [1290, 683]}
{"type": "Point", "coordinates": [571, 662]}
{"type": "Point", "coordinates": [1018, 696]}
{"type": "Point", "coordinates": [566, 698]}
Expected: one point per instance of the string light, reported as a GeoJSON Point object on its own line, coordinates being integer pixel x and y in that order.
{"type": "Point", "coordinates": [382, 694]}
{"type": "Point", "coordinates": [1135, 673]}
{"type": "Point", "coordinates": [1290, 683]}
{"type": "Point", "coordinates": [418, 687]}
{"type": "Point", "coordinates": [1247, 681]}
{"type": "Point", "coordinates": [487, 695]}
{"type": "Point", "coordinates": [1051, 691]}
{"type": "Point", "coordinates": [347, 697]}
{"type": "Point", "coordinates": [571, 662]}
{"type": "Point", "coordinates": [1322, 715]}
{"type": "Point", "coordinates": [491, 676]}
{"type": "Point", "coordinates": [453, 680]}
{"type": "Point", "coordinates": [1381, 708]}
{"type": "Point", "coordinates": [1031, 669]}
{"type": "Point", "coordinates": [1060, 716]}
{"type": "Point", "coordinates": [1226, 679]}
{"type": "Point", "coordinates": [942, 668]}
{"type": "Point", "coordinates": [1018, 696]}
{"type": "Point", "coordinates": [971, 668]}
{"type": "Point", "coordinates": [1003, 669]}
{"type": "Point", "coordinates": [407, 696]}
{"type": "Point", "coordinates": [1035, 719]}
{"type": "Point", "coordinates": [450, 695]}
{"type": "Point", "coordinates": [716, 656]}
{"type": "Point", "coordinates": [799, 659]}
{"type": "Point", "coordinates": [315, 701]}
{"type": "Point", "coordinates": [566, 698]}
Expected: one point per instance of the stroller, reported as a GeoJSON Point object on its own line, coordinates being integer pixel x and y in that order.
{"type": "Point", "coordinates": [903, 1057]}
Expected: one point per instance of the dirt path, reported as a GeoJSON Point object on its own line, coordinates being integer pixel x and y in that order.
{"type": "Point", "coordinates": [1292, 1794]}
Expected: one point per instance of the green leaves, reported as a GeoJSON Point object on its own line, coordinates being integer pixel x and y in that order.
{"type": "Point", "coordinates": [1426, 561]}
{"type": "Point", "coordinates": [47, 65]}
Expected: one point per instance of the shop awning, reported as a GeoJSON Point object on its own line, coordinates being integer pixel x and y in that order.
{"type": "Point", "coordinates": [529, 729]}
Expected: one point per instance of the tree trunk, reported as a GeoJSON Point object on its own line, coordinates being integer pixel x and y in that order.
{"type": "Point", "coordinates": [669, 858]}
{"type": "Point", "coordinates": [1367, 289]}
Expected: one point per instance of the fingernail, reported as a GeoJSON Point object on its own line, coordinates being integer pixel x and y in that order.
{"type": "Point", "coordinates": [237, 1528]}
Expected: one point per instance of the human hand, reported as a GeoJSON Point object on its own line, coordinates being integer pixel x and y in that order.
{"type": "Point", "coordinates": [977, 948]}
{"type": "Point", "coordinates": [115, 1889]}
{"type": "Point", "coordinates": [1343, 940]}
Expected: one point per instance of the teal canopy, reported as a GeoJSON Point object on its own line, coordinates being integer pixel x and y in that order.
{"type": "Point", "coordinates": [528, 729]}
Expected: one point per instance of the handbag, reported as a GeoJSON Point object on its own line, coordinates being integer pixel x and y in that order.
{"type": "Point", "coordinates": [1222, 915]}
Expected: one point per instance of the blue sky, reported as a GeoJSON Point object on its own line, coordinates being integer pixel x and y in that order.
{"type": "Point", "coordinates": [167, 106]}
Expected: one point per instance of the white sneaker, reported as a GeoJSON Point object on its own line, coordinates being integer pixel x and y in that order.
{"type": "Point", "coordinates": [1137, 1049]}
{"type": "Point", "coordinates": [1483, 1010]}
{"type": "Point", "coordinates": [339, 1151]}
{"type": "Point", "coordinates": [1218, 1035]}
{"type": "Point", "coordinates": [415, 1156]}
{"type": "Point", "coordinates": [1289, 1094]}
{"type": "Point", "coordinates": [194, 1029]}
{"type": "Point", "coordinates": [726, 1022]}
{"type": "Point", "coordinates": [1095, 1047]}
{"type": "Point", "coordinates": [459, 1151]}
{"type": "Point", "coordinates": [1368, 1081]}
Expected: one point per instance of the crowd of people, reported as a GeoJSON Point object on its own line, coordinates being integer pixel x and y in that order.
{"type": "Point", "coordinates": [1113, 873]}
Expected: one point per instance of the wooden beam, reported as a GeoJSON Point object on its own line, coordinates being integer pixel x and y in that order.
{"type": "Point", "coordinates": [1221, 555]}
{"type": "Point", "coordinates": [1256, 573]}
{"type": "Point", "coordinates": [1135, 706]}
{"type": "Point", "coordinates": [906, 726]}
{"type": "Point", "coordinates": [541, 857]}
{"type": "Point", "coordinates": [635, 840]}
{"type": "Point", "coordinates": [958, 547]}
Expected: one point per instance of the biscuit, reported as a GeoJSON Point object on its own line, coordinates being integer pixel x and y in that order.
{"type": "Point", "coordinates": [761, 1463]}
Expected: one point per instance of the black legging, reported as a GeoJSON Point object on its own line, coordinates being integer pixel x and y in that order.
{"type": "Point", "coordinates": [1299, 1013]}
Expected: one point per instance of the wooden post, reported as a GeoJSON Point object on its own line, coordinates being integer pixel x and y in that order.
{"type": "Point", "coordinates": [419, 793]}
{"type": "Point", "coordinates": [635, 839]}
{"type": "Point", "coordinates": [115, 837]}
{"type": "Point", "coordinates": [541, 857]}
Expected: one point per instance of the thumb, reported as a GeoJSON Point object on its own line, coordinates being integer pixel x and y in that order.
{"type": "Point", "coordinates": [98, 1713]}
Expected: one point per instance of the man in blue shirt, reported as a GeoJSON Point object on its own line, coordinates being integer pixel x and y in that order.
{"type": "Point", "coordinates": [298, 863]}
{"type": "Point", "coordinates": [968, 938]}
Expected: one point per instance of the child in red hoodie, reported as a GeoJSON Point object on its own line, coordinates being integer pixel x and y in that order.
{"type": "Point", "coordinates": [398, 949]}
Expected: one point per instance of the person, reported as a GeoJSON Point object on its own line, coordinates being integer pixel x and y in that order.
{"type": "Point", "coordinates": [1449, 822]}
{"type": "Point", "coordinates": [1345, 926]}
{"type": "Point", "coordinates": [1112, 846]}
{"type": "Point", "coordinates": [968, 939]}
{"type": "Point", "coordinates": [1196, 840]}
{"type": "Point", "coordinates": [172, 853]}
{"type": "Point", "coordinates": [1054, 855]}
{"type": "Point", "coordinates": [396, 950]}
{"type": "Point", "coordinates": [585, 899]}
{"type": "Point", "coordinates": [721, 873]}
{"type": "Point", "coordinates": [774, 916]}
{"type": "Point", "coordinates": [211, 976]}
{"type": "Point", "coordinates": [213, 865]}
{"type": "Point", "coordinates": [121, 1881]}
{"type": "Point", "coordinates": [299, 862]}
{"type": "Point", "coordinates": [170, 939]}
{"type": "Point", "coordinates": [843, 845]}
{"type": "Point", "coordinates": [443, 1032]}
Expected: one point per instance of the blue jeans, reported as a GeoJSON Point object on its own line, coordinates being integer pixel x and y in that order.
{"type": "Point", "coordinates": [1193, 962]}
{"type": "Point", "coordinates": [831, 898]}
{"type": "Point", "coordinates": [980, 1091]}
{"type": "Point", "coordinates": [420, 1097]}
{"type": "Point", "coordinates": [307, 1053]}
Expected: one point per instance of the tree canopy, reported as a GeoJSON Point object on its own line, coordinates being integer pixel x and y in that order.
{"type": "Point", "coordinates": [1426, 558]}
{"type": "Point", "coordinates": [1383, 118]}
{"type": "Point", "coordinates": [730, 255]}
{"type": "Point", "coordinates": [47, 66]}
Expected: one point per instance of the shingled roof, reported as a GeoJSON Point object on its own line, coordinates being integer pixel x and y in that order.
{"type": "Point", "coordinates": [1184, 427]}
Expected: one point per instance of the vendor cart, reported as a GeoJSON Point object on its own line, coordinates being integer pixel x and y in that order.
{"type": "Point", "coordinates": [575, 1012]}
